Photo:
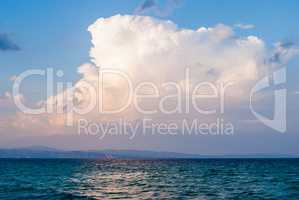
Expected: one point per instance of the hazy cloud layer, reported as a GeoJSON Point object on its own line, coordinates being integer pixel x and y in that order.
{"type": "Point", "coordinates": [244, 26]}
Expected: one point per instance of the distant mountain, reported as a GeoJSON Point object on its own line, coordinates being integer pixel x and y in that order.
{"type": "Point", "coordinates": [47, 152]}
{"type": "Point", "coordinates": [38, 148]}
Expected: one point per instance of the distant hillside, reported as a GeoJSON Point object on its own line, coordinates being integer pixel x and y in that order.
{"type": "Point", "coordinates": [46, 152]}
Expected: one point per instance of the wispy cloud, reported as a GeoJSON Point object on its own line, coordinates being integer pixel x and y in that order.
{"type": "Point", "coordinates": [284, 51]}
{"type": "Point", "coordinates": [147, 4]}
{"type": "Point", "coordinates": [244, 26]}
{"type": "Point", "coordinates": [152, 5]}
{"type": "Point", "coordinates": [6, 44]}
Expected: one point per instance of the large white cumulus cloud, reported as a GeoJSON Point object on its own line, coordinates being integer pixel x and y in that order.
{"type": "Point", "coordinates": [148, 49]}
{"type": "Point", "coordinates": [155, 49]}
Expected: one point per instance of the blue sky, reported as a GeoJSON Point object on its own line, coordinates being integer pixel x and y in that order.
{"type": "Point", "coordinates": [53, 33]}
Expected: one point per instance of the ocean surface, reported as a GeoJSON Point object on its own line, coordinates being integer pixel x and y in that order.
{"type": "Point", "coordinates": [149, 179]}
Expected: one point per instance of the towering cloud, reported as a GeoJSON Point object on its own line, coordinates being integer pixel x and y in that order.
{"type": "Point", "coordinates": [148, 49]}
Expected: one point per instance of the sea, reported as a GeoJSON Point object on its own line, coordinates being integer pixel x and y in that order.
{"type": "Point", "coordinates": [201, 179]}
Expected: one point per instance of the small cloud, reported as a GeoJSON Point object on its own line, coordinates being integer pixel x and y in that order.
{"type": "Point", "coordinates": [145, 5]}
{"type": "Point", "coordinates": [8, 95]}
{"type": "Point", "coordinates": [13, 78]}
{"type": "Point", "coordinates": [284, 51]}
{"type": "Point", "coordinates": [152, 5]}
{"type": "Point", "coordinates": [6, 101]}
{"type": "Point", "coordinates": [244, 26]}
{"type": "Point", "coordinates": [6, 44]}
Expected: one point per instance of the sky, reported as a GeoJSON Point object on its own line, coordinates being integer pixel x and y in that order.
{"type": "Point", "coordinates": [152, 41]}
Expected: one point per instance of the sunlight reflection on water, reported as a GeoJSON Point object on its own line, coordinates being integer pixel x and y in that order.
{"type": "Point", "coordinates": [152, 179]}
